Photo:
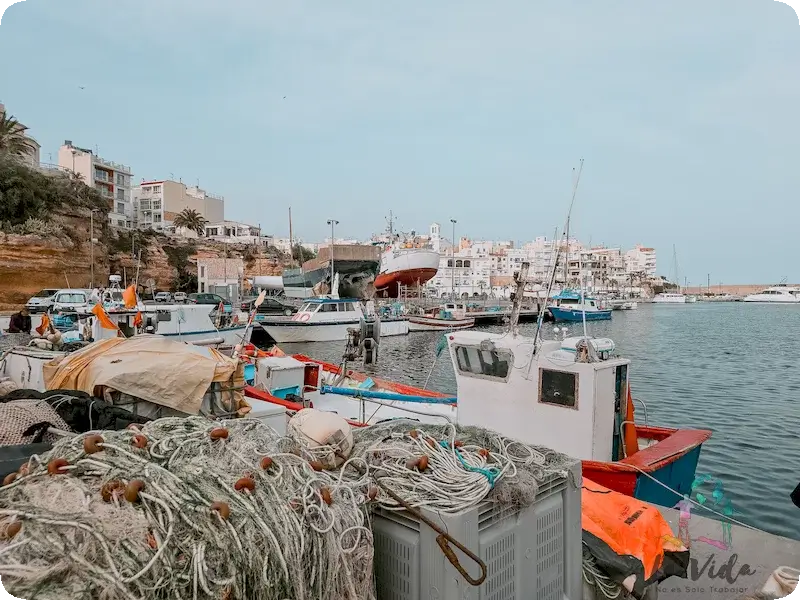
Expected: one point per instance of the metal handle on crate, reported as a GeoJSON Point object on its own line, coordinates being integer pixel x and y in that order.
{"type": "Point", "coordinates": [444, 540]}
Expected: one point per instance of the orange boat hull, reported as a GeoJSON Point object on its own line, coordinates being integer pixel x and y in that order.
{"type": "Point", "coordinates": [389, 283]}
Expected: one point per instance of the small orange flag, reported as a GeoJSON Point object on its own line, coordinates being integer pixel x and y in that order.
{"type": "Point", "coordinates": [129, 297]}
{"type": "Point", "coordinates": [44, 326]}
{"type": "Point", "coordinates": [137, 320]}
{"type": "Point", "coordinates": [102, 316]}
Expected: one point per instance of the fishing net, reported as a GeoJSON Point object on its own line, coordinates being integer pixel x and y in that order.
{"type": "Point", "coordinates": [187, 508]}
{"type": "Point", "coordinates": [184, 508]}
{"type": "Point", "coordinates": [18, 416]}
{"type": "Point", "coordinates": [463, 466]}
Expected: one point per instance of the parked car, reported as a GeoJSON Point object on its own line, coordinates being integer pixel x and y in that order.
{"type": "Point", "coordinates": [70, 300]}
{"type": "Point", "coordinates": [270, 306]}
{"type": "Point", "coordinates": [179, 297]}
{"type": "Point", "coordinates": [163, 297]}
{"type": "Point", "coordinates": [42, 301]}
{"type": "Point", "coordinates": [205, 298]}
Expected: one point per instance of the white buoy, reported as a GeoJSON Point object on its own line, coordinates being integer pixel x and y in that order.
{"type": "Point", "coordinates": [325, 434]}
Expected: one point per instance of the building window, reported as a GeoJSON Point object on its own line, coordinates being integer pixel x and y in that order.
{"type": "Point", "coordinates": [120, 223]}
{"type": "Point", "coordinates": [474, 361]}
{"type": "Point", "coordinates": [449, 262]}
{"type": "Point", "coordinates": [559, 388]}
{"type": "Point", "coordinates": [156, 189]}
{"type": "Point", "coordinates": [202, 271]}
{"type": "Point", "coordinates": [156, 204]}
{"type": "Point", "coordinates": [120, 208]}
{"type": "Point", "coordinates": [459, 263]}
{"type": "Point", "coordinates": [467, 263]}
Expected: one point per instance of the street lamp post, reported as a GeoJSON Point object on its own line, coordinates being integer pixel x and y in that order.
{"type": "Point", "coordinates": [333, 223]}
{"type": "Point", "coordinates": [453, 259]}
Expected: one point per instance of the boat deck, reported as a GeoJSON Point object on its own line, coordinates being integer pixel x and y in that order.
{"type": "Point", "coordinates": [762, 553]}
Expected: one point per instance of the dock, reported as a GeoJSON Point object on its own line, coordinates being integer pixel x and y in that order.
{"type": "Point", "coordinates": [719, 574]}
{"type": "Point", "coordinates": [488, 317]}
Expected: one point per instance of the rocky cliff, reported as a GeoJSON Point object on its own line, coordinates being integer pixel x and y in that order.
{"type": "Point", "coordinates": [29, 263]}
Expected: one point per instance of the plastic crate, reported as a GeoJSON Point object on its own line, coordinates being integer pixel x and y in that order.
{"type": "Point", "coordinates": [533, 553]}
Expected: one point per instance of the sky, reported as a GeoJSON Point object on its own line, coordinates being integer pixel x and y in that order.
{"type": "Point", "coordinates": [684, 112]}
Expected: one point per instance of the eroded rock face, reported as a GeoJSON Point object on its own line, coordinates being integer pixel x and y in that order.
{"type": "Point", "coordinates": [29, 263]}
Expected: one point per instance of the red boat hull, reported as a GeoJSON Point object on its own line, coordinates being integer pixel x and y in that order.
{"type": "Point", "coordinates": [389, 283]}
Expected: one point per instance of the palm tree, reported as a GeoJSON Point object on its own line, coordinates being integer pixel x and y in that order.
{"type": "Point", "coordinates": [12, 137]}
{"type": "Point", "coordinates": [189, 218]}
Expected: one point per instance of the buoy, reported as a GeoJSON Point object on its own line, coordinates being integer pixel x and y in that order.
{"type": "Point", "coordinates": [221, 508]}
{"type": "Point", "coordinates": [132, 490]}
{"type": "Point", "coordinates": [315, 430]}
{"type": "Point", "coordinates": [8, 479]}
{"type": "Point", "coordinates": [372, 492]}
{"type": "Point", "coordinates": [220, 433]}
{"type": "Point", "coordinates": [56, 466]}
{"type": "Point", "coordinates": [245, 483]}
{"type": "Point", "coordinates": [139, 441]}
{"type": "Point", "coordinates": [316, 465]}
{"type": "Point", "coordinates": [422, 463]}
{"type": "Point", "coordinates": [326, 496]}
{"type": "Point", "coordinates": [484, 452]}
{"type": "Point", "coordinates": [9, 530]}
{"type": "Point", "coordinates": [91, 443]}
{"type": "Point", "coordinates": [413, 433]}
{"type": "Point", "coordinates": [266, 462]}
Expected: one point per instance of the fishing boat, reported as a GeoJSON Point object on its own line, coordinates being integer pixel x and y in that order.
{"type": "Point", "coordinates": [355, 265]}
{"type": "Point", "coordinates": [572, 395]}
{"type": "Point", "coordinates": [572, 306]}
{"type": "Point", "coordinates": [446, 317]}
{"type": "Point", "coordinates": [405, 263]}
{"type": "Point", "coordinates": [326, 319]}
{"type": "Point", "coordinates": [670, 298]}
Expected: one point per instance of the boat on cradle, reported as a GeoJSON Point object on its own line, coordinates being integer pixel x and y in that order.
{"type": "Point", "coordinates": [404, 265]}
{"type": "Point", "coordinates": [670, 298]}
{"type": "Point", "coordinates": [571, 306]}
{"type": "Point", "coordinates": [446, 317]}
{"type": "Point", "coordinates": [327, 320]}
{"type": "Point", "coordinates": [618, 453]}
{"type": "Point", "coordinates": [780, 294]}
{"type": "Point", "coordinates": [356, 267]}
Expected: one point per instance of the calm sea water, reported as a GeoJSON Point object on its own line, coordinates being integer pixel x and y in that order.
{"type": "Point", "coordinates": [729, 367]}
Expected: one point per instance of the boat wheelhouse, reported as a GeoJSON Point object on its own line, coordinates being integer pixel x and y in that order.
{"type": "Point", "coordinates": [572, 306]}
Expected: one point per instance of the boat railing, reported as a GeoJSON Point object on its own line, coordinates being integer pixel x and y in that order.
{"type": "Point", "coordinates": [644, 408]}
{"type": "Point", "coordinates": [404, 408]}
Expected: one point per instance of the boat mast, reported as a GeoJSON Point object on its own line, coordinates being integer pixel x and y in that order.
{"type": "Point", "coordinates": [291, 241]}
{"type": "Point", "coordinates": [520, 277]}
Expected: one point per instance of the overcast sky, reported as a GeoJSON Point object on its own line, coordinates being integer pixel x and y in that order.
{"type": "Point", "coordinates": [685, 113]}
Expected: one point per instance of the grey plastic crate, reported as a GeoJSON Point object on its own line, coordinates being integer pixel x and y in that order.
{"type": "Point", "coordinates": [530, 554]}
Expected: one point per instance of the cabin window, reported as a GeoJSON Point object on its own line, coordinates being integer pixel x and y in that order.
{"type": "Point", "coordinates": [487, 363]}
{"type": "Point", "coordinates": [328, 308]}
{"type": "Point", "coordinates": [558, 387]}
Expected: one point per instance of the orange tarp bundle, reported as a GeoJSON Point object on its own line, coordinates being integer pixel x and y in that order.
{"type": "Point", "coordinates": [629, 538]}
{"type": "Point", "coordinates": [44, 326]}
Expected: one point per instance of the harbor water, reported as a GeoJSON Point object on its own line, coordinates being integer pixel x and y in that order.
{"type": "Point", "coordinates": [728, 367]}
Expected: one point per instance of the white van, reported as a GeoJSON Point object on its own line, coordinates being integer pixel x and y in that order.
{"type": "Point", "coordinates": [71, 300]}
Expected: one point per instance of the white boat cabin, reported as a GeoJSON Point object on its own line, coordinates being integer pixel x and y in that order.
{"type": "Point", "coordinates": [566, 397]}
{"type": "Point", "coordinates": [186, 322]}
{"type": "Point", "coordinates": [322, 310]}
{"type": "Point", "coordinates": [454, 310]}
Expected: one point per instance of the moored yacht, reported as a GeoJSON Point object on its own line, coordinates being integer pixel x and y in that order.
{"type": "Point", "coordinates": [325, 320]}
{"type": "Point", "coordinates": [572, 306]}
{"type": "Point", "coordinates": [670, 298]}
{"type": "Point", "coordinates": [780, 294]}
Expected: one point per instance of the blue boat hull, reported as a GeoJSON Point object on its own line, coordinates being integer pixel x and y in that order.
{"type": "Point", "coordinates": [576, 316]}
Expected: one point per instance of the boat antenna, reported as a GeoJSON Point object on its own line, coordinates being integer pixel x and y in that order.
{"type": "Point", "coordinates": [291, 241]}
{"type": "Point", "coordinates": [540, 318]}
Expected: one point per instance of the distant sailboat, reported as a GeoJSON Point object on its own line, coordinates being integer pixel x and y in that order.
{"type": "Point", "coordinates": [674, 297]}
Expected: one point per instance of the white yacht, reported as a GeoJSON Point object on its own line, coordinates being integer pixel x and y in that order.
{"type": "Point", "coordinates": [779, 294]}
{"type": "Point", "coordinates": [670, 298]}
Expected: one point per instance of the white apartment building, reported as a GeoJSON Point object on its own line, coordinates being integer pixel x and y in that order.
{"type": "Point", "coordinates": [641, 259]}
{"type": "Point", "coordinates": [232, 232]}
{"type": "Point", "coordinates": [157, 202]}
{"type": "Point", "coordinates": [111, 179]}
{"type": "Point", "coordinates": [466, 274]}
